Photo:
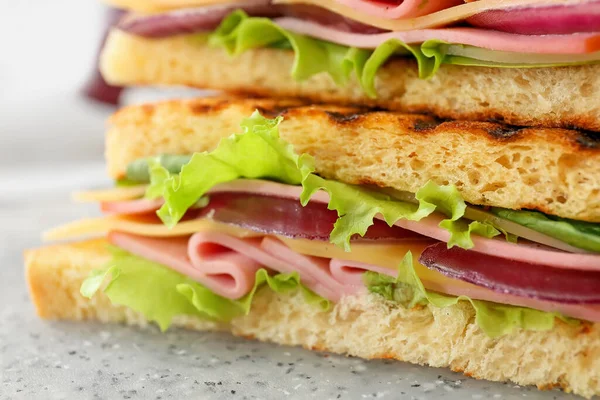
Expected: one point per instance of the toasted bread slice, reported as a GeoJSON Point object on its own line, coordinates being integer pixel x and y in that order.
{"type": "Point", "coordinates": [558, 97]}
{"type": "Point", "coordinates": [551, 170]}
{"type": "Point", "coordinates": [366, 326]}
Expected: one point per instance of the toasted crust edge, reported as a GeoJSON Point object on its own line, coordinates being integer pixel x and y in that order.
{"type": "Point", "coordinates": [547, 169]}
{"type": "Point", "coordinates": [366, 326]}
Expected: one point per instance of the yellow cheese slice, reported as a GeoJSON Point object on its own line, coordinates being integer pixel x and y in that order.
{"type": "Point", "coordinates": [112, 194]}
{"type": "Point", "coordinates": [388, 254]}
{"type": "Point", "coordinates": [384, 254]}
{"type": "Point", "coordinates": [102, 225]}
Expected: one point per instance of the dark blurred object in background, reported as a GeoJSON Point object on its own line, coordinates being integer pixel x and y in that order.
{"type": "Point", "coordinates": [96, 87]}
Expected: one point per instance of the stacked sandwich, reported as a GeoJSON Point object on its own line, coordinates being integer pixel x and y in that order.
{"type": "Point", "coordinates": [457, 224]}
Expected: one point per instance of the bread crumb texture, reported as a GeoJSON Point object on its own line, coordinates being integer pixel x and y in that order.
{"type": "Point", "coordinates": [559, 97]}
{"type": "Point", "coordinates": [552, 170]}
{"type": "Point", "coordinates": [366, 326]}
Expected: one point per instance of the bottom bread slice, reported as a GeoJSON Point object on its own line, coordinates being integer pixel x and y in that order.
{"type": "Point", "coordinates": [365, 326]}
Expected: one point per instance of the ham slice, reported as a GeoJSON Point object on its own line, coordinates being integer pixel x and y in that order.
{"type": "Point", "coordinates": [131, 207]}
{"type": "Point", "coordinates": [576, 43]}
{"type": "Point", "coordinates": [227, 265]}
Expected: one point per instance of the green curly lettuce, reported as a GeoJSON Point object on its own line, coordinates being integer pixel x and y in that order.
{"type": "Point", "coordinates": [238, 33]}
{"type": "Point", "coordinates": [493, 319]}
{"type": "Point", "coordinates": [259, 153]}
{"type": "Point", "coordinates": [160, 294]}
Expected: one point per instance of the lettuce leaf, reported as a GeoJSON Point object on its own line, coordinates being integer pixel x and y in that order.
{"type": "Point", "coordinates": [259, 152]}
{"type": "Point", "coordinates": [238, 33]}
{"type": "Point", "coordinates": [493, 319]}
{"type": "Point", "coordinates": [161, 294]}
{"type": "Point", "coordinates": [580, 234]}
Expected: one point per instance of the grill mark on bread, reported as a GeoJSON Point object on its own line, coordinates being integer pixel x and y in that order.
{"type": "Point", "coordinates": [208, 107]}
{"type": "Point", "coordinates": [588, 139]}
{"type": "Point", "coordinates": [422, 125]}
{"type": "Point", "coordinates": [349, 117]}
{"type": "Point", "coordinates": [274, 111]}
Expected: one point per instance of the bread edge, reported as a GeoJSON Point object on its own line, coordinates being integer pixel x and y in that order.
{"type": "Point", "coordinates": [567, 357]}
{"type": "Point", "coordinates": [455, 92]}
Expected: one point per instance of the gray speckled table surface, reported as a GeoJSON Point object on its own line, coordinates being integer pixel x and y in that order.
{"type": "Point", "coordinates": [62, 360]}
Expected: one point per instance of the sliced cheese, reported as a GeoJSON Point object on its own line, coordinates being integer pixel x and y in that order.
{"type": "Point", "coordinates": [103, 225]}
{"type": "Point", "coordinates": [112, 194]}
{"type": "Point", "coordinates": [437, 19]}
{"type": "Point", "coordinates": [384, 254]}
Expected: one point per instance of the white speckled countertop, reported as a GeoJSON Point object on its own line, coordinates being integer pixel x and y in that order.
{"type": "Point", "coordinates": [51, 143]}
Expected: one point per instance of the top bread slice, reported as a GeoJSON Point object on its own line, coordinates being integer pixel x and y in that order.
{"type": "Point", "coordinates": [555, 171]}
{"type": "Point", "coordinates": [564, 97]}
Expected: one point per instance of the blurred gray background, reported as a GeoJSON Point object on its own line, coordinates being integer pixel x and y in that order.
{"type": "Point", "coordinates": [47, 128]}
{"type": "Point", "coordinates": [47, 50]}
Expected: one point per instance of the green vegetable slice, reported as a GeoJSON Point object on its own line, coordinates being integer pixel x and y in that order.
{"type": "Point", "coordinates": [580, 234]}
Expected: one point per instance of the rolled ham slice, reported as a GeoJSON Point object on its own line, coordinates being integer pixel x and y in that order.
{"type": "Point", "coordinates": [227, 265]}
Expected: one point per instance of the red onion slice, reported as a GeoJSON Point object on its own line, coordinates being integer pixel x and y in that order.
{"type": "Point", "coordinates": [536, 281]}
{"type": "Point", "coordinates": [551, 20]}
{"type": "Point", "coordinates": [207, 19]}
{"type": "Point", "coordinates": [286, 217]}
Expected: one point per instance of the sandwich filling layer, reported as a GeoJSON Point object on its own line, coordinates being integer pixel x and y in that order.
{"type": "Point", "coordinates": [253, 212]}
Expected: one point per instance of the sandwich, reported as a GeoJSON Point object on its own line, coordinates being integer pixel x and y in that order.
{"type": "Point", "coordinates": [379, 234]}
{"type": "Point", "coordinates": [519, 62]}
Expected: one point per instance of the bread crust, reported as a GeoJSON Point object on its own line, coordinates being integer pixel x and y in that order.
{"type": "Point", "coordinates": [563, 97]}
{"type": "Point", "coordinates": [551, 170]}
{"type": "Point", "coordinates": [367, 326]}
